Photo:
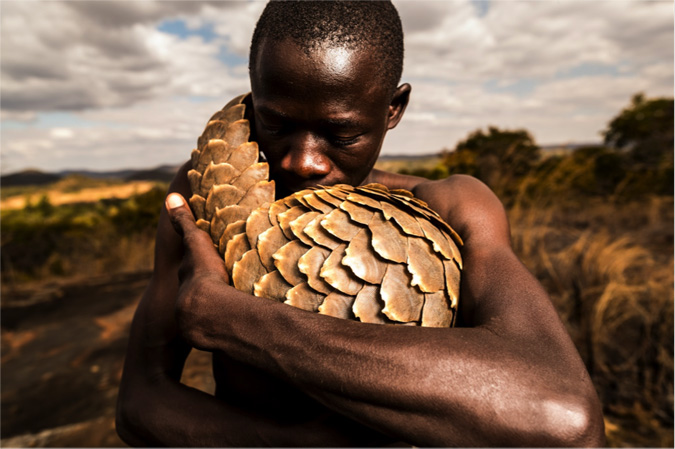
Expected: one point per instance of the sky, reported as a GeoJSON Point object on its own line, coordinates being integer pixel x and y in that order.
{"type": "Point", "coordinates": [106, 85]}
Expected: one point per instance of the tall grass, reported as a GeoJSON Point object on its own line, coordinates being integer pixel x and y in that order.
{"type": "Point", "coordinates": [608, 268]}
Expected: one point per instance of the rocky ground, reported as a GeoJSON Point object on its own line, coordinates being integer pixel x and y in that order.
{"type": "Point", "coordinates": [63, 347]}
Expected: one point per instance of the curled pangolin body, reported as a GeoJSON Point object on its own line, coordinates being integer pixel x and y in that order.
{"type": "Point", "coordinates": [364, 253]}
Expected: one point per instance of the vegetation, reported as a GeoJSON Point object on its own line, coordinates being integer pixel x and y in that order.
{"type": "Point", "coordinates": [608, 268]}
{"type": "Point", "coordinates": [484, 155]}
{"type": "Point", "coordinates": [645, 131]}
{"type": "Point", "coordinates": [594, 225]}
{"type": "Point", "coordinates": [42, 241]}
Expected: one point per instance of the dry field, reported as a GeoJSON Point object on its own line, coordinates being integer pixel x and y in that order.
{"type": "Point", "coordinates": [58, 195]}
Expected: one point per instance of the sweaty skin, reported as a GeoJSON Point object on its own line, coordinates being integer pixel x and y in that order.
{"type": "Point", "coordinates": [509, 375]}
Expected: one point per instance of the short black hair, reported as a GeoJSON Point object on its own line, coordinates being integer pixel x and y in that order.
{"type": "Point", "coordinates": [364, 25]}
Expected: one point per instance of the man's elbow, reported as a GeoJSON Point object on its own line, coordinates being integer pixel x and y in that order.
{"type": "Point", "coordinates": [123, 431]}
{"type": "Point", "coordinates": [122, 420]}
{"type": "Point", "coordinates": [125, 418]}
{"type": "Point", "coordinates": [577, 423]}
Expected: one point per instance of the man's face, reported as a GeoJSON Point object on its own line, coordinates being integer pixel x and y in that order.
{"type": "Point", "coordinates": [319, 118]}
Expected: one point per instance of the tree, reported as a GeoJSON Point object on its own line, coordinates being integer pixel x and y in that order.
{"type": "Point", "coordinates": [499, 158]}
{"type": "Point", "coordinates": [644, 130]}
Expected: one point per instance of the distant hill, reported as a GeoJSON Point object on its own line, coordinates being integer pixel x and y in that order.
{"type": "Point", "coordinates": [29, 178]}
{"type": "Point", "coordinates": [157, 174]}
{"type": "Point", "coordinates": [569, 146]}
{"type": "Point", "coordinates": [117, 174]}
{"type": "Point", "coordinates": [396, 157]}
{"type": "Point", "coordinates": [163, 173]}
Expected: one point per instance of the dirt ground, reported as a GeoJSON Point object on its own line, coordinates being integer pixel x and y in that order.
{"type": "Point", "coordinates": [63, 347]}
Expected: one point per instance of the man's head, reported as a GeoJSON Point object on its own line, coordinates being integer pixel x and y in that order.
{"type": "Point", "coordinates": [369, 26]}
{"type": "Point", "coordinates": [324, 89]}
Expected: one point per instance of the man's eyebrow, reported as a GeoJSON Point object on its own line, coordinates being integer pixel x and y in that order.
{"type": "Point", "coordinates": [269, 111]}
{"type": "Point", "coordinates": [337, 122]}
{"type": "Point", "coordinates": [342, 122]}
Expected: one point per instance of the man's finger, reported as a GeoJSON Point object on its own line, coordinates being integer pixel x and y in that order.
{"type": "Point", "coordinates": [179, 213]}
{"type": "Point", "coordinates": [184, 223]}
{"type": "Point", "coordinates": [200, 253]}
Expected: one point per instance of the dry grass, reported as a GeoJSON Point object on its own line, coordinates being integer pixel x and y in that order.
{"type": "Point", "coordinates": [609, 271]}
{"type": "Point", "coordinates": [58, 196]}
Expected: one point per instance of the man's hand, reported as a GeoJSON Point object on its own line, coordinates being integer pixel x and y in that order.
{"type": "Point", "coordinates": [154, 408]}
{"type": "Point", "coordinates": [201, 257]}
{"type": "Point", "coordinates": [201, 272]}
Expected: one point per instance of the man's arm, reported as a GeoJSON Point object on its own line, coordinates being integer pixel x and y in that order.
{"type": "Point", "coordinates": [513, 378]}
{"type": "Point", "coordinates": [153, 405]}
{"type": "Point", "coordinates": [154, 408]}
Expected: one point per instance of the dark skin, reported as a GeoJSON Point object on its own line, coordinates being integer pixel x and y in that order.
{"type": "Point", "coordinates": [286, 377]}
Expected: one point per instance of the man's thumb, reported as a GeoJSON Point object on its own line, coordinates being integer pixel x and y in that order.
{"type": "Point", "coordinates": [179, 213]}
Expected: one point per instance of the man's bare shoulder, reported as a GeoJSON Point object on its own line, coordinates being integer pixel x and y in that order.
{"type": "Point", "coordinates": [467, 204]}
{"type": "Point", "coordinates": [467, 185]}
{"type": "Point", "coordinates": [394, 180]}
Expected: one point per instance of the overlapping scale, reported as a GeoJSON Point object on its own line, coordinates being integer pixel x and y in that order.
{"type": "Point", "coordinates": [363, 253]}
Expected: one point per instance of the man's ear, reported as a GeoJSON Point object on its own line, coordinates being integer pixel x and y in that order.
{"type": "Point", "coordinates": [398, 104]}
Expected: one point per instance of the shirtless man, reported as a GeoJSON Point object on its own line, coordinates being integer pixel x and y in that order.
{"type": "Point", "coordinates": [322, 101]}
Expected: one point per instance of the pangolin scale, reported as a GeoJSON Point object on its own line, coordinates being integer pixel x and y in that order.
{"type": "Point", "coordinates": [364, 253]}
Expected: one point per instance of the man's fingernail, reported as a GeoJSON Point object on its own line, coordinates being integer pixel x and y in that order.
{"type": "Point", "coordinates": [174, 201]}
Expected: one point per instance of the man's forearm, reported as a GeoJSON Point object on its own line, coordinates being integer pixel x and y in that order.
{"type": "Point", "coordinates": [514, 378]}
{"type": "Point", "coordinates": [155, 409]}
{"type": "Point", "coordinates": [466, 386]}
{"type": "Point", "coordinates": [167, 413]}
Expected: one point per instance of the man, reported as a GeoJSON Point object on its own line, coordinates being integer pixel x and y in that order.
{"type": "Point", "coordinates": [324, 93]}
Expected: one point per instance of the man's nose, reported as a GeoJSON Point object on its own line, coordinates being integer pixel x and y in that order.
{"type": "Point", "coordinates": [306, 157]}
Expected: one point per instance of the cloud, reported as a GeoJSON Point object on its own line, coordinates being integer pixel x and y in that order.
{"type": "Point", "coordinates": [80, 55]}
{"type": "Point", "coordinates": [147, 134]}
{"type": "Point", "coordinates": [138, 95]}
{"type": "Point", "coordinates": [533, 39]}
{"type": "Point", "coordinates": [560, 69]}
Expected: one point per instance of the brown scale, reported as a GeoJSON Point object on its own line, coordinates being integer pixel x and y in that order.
{"type": "Point", "coordinates": [362, 253]}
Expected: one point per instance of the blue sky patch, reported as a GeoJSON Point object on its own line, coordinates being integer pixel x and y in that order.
{"type": "Point", "coordinates": [482, 6]}
{"type": "Point", "coordinates": [229, 58]}
{"type": "Point", "coordinates": [178, 28]}
{"type": "Point", "coordinates": [199, 98]}
{"type": "Point", "coordinates": [46, 120]}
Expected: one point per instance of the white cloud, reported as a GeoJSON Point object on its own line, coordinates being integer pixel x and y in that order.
{"type": "Point", "coordinates": [534, 39]}
{"type": "Point", "coordinates": [79, 55]}
{"type": "Point", "coordinates": [147, 134]}
{"type": "Point", "coordinates": [239, 26]}
{"type": "Point", "coordinates": [62, 133]}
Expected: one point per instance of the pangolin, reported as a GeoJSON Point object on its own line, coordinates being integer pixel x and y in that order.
{"type": "Point", "coordinates": [364, 253]}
